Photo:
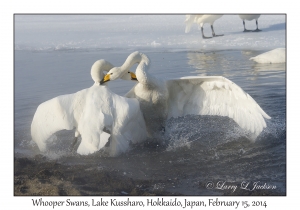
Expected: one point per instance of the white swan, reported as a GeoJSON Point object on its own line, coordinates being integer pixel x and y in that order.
{"type": "Point", "coordinates": [201, 20]}
{"type": "Point", "coordinates": [273, 56]}
{"type": "Point", "coordinates": [250, 17]}
{"type": "Point", "coordinates": [91, 112]}
{"type": "Point", "coordinates": [211, 95]}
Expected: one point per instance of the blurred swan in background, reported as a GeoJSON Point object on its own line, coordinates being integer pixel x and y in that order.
{"type": "Point", "coordinates": [201, 20]}
{"type": "Point", "coordinates": [199, 95]}
{"type": "Point", "coordinates": [273, 56]}
{"type": "Point", "coordinates": [96, 113]}
{"type": "Point", "coordinates": [250, 17]}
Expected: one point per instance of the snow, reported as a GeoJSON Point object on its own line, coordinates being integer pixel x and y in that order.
{"type": "Point", "coordinates": [63, 32]}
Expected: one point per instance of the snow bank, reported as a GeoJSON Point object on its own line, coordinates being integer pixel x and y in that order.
{"type": "Point", "coordinates": [64, 32]}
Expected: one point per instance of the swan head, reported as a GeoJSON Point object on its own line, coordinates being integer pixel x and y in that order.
{"type": "Point", "coordinates": [116, 73]}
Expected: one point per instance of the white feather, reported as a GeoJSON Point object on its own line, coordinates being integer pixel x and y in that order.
{"type": "Point", "coordinates": [91, 111]}
{"type": "Point", "coordinates": [215, 95]}
{"type": "Point", "coordinates": [273, 56]}
{"type": "Point", "coordinates": [249, 17]}
{"type": "Point", "coordinates": [199, 20]}
{"type": "Point", "coordinates": [212, 95]}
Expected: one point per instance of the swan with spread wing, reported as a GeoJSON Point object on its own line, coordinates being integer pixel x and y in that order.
{"type": "Point", "coordinates": [96, 113]}
{"type": "Point", "coordinates": [199, 95]}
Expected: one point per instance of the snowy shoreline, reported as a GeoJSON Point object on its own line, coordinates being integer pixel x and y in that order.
{"type": "Point", "coordinates": [80, 32]}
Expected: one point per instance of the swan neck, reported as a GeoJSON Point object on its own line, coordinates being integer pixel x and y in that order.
{"type": "Point", "coordinates": [131, 60]}
{"type": "Point", "coordinates": [98, 69]}
{"type": "Point", "coordinates": [142, 69]}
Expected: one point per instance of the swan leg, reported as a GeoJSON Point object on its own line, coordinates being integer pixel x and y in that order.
{"type": "Point", "coordinates": [245, 30]}
{"type": "Point", "coordinates": [257, 30]}
{"type": "Point", "coordinates": [213, 32]}
{"type": "Point", "coordinates": [204, 37]}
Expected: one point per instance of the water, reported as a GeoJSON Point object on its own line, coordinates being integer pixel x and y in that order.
{"type": "Point", "coordinates": [197, 151]}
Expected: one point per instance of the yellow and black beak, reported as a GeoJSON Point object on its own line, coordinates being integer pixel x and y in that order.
{"type": "Point", "coordinates": [105, 79]}
{"type": "Point", "coordinates": [133, 76]}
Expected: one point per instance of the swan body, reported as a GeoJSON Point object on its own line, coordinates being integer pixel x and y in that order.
{"type": "Point", "coordinates": [250, 17]}
{"type": "Point", "coordinates": [210, 95]}
{"type": "Point", "coordinates": [201, 20]}
{"type": "Point", "coordinates": [273, 56]}
{"type": "Point", "coordinates": [92, 112]}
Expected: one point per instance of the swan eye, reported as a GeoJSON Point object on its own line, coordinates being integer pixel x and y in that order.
{"type": "Point", "coordinates": [129, 72]}
{"type": "Point", "coordinates": [111, 73]}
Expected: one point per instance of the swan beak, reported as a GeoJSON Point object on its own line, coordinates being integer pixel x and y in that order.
{"type": "Point", "coordinates": [105, 79]}
{"type": "Point", "coordinates": [133, 76]}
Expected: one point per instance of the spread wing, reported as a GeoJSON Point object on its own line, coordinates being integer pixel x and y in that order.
{"type": "Point", "coordinates": [78, 110]}
{"type": "Point", "coordinates": [91, 111]}
{"type": "Point", "coordinates": [215, 95]}
{"type": "Point", "coordinates": [52, 116]}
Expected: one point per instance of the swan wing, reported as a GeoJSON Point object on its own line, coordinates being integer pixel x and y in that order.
{"type": "Point", "coordinates": [95, 118]}
{"type": "Point", "coordinates": [215, 95]}
{"type": "Point", "coordinates": [106, 110]}
{"type": "Point", "coordinates": [52, 116]}
{"type": "Point", "coordinates": [129, 126]}
{"type": "Point", "coordinates": [83, 110]}
{"type": "Point", "coordinates": [189, 20]}
{"type": "Point", "coordinates": [91, 111]}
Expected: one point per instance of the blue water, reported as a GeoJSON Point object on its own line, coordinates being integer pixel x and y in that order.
{"type": "Point", "coordinates": [198, 149]}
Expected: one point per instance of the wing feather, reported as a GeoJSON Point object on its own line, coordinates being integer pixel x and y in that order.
{"type": "Point", "coordinates": [52, 116]}
{"type": "Point", "coordinates": [91, 111]}
{"type": "Point", "coordinates": [215, 95]}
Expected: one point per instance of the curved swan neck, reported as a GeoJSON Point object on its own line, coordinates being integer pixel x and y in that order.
{"type": "Point", "coordinates": [141, 70]}
{"type": "Point", "coordinates": [98, 69]}
{"type": "Point", "coordinates": [132, 59]}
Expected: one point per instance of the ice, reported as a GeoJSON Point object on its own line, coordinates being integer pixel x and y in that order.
{"type": "Point", "coordinates": [63, 32]}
